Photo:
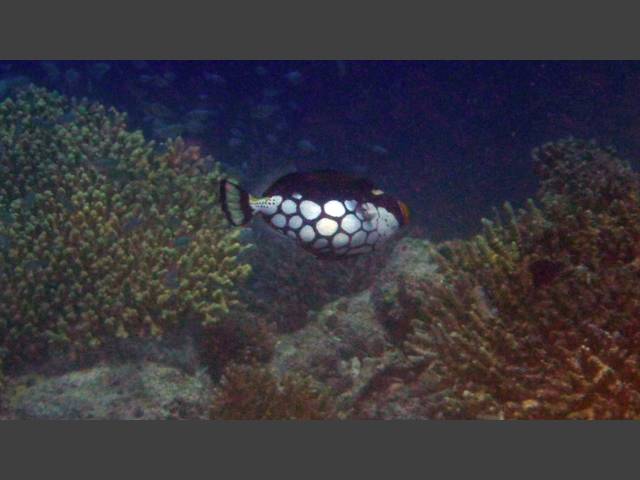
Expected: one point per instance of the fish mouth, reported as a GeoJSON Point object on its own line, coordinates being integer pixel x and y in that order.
{"type": "Point", "coordinates": [404, 209]}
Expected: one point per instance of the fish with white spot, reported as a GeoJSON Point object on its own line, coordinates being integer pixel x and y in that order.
{"type": "Point", "coordinates": [328, 213]}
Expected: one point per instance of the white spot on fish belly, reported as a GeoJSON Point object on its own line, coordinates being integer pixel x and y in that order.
{"type": "Point", "coordinates": [334, 208]}
{"type": "Point", "coordinates": [289, 207]}
{"type": "Point", "coordinates": [340, 240]}
{"type": "Point", "coordinates": [327, 227]}
{"type": "Point", "coordinates": [350, 223]}
{"type": "Point", "coordinates": [368, 226]}
{"type": "Point", "coordinates": [321, 243]}
{"type": "Point", "coordinates": [358, 239]}
{"type": "Point", "coordinates": [295, 222]}
{"type": "Point", "coordinates": [307, 234]}
{"type": "Point", "coordinates": [279, 220]}
{"type": "Point", "coordinates": [351, 205]}
{"type": "Point", "coordinates": [310, 210]}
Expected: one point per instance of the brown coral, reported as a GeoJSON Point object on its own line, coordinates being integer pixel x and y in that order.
{"type": "Point", "coordinates": [539, 316]}
{"type": "Point", "coordinates": [255, 393]}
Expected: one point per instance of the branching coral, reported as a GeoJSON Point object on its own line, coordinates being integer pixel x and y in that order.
{"type": "Point", "coordinates": [539, 316]}
{"type": "Point", "coordinates": [243, 338]}
{"type": "Point", "coordinates": [254, 393]}
{"type": "Point", "coordinates": [102, 234]}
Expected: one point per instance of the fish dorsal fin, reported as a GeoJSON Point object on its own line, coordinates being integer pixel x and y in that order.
{"type": "Point", "coordinates": [322, 185]}
{"type": "Point", "coordinates": [263, 184]}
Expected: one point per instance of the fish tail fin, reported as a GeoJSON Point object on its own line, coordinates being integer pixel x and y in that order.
{"type": "Point", "coordinates": [235, 203]}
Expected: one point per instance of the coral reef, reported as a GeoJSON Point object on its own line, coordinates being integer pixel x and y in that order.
{"type": "Point", "coordinates": [106, 238]}
{"type": "Point", "coordinates": [342, 347]}
{"type": "Point", "coordinates": [128, 391]}
{"type": "Point", "coordinates": [538, 316]}
{"type": "Point", "coordinates": [282, 272]}
{"type": "Point", "coordinates": [244, 338]}
{"type": "Point", "coordinates": [254, 393]}
{"type": "Point", "coordinates": [102, 234]}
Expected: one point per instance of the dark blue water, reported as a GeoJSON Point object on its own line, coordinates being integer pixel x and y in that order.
{"type": "Point", "coordinates": [450, 138]}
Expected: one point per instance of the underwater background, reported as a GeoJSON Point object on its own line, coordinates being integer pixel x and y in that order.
{"type": "Point", "coordinates": [511, 294]}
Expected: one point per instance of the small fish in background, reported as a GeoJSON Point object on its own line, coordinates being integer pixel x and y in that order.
{"type": "Point", "coordinates": [294, 77]}
{"type": "Point", "coordinates": [358, 168]}
{"type": "Point", "coordinates": [99, 70]}
{"type": "Point", "coordinates": [158, 110]}
{"type": "Point", "coordinates": [235, 142]}
{"type": "Point", "coordinates": [159, 81]}
{"type": "Point", "coordinates": [270, 93]}
{"type": "Point", "coordinates": [328, 213]}
{"type": "Point", "coordinates": [214, 78]}
{"type": "Point", "coordinates": [293, 106]}
{"type": "Point", "coordinates": [305, 146]}
{"type": "Point", "coordinates": [379, 150]}
{"type": "Point", "coordinates": [272, 139]}
{"type": "Point", "coordinates": [52, 71]}
{"type": "Point", "coordinates": [72, 77]}
{"type": "Point", "coordinates": [263, 111]}
{"type": "Point", "coordinates": [144, 78]}
{"type": "Point", "coordinates": [140, 64]}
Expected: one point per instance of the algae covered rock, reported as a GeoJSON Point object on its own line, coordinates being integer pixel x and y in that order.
{"type": "Point", "coordinates": [148, 391]}
{"type": "Point", "coordinates": [341, 347]}
{"type": "Point", "coordinates": [396, 292]}
{"type": "Point", "coordinates": [348, 342]}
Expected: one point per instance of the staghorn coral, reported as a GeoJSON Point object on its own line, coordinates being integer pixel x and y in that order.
{"type": "Point", "coordinates": [537, 317]}
{"type": "Point", "coordinates": [254, 393]}
{"type": "Point", "coordinates": [103, 234]}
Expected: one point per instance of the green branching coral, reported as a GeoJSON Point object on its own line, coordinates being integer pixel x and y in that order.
{"type": "Point", "coordinates": [254, 393]}
{"type": "Point", "coordinates": [539, 316]}
{"type": "Point", "coordinates": [103, 234]}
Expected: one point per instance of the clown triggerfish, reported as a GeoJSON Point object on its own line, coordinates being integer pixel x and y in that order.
{"type": "Point", "coordinates": [328, 213]}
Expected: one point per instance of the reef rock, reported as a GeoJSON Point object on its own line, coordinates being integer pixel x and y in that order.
{"type": "Point", "coordinates": [146, 391]}
{"type": "Point", "coordinates": [341, 347]}
{"type": "Point", "coordinates": [351, 340]}
{"type": "Point", "coordinates": [396, 290]}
